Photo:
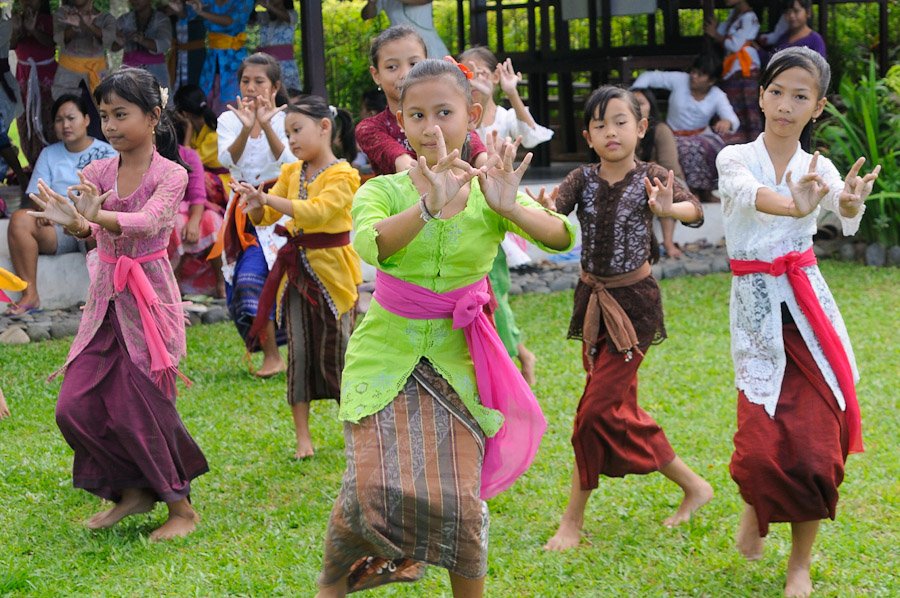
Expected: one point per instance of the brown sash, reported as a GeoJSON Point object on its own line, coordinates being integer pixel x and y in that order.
{"type": "Point", "coordinates": [618, 324]}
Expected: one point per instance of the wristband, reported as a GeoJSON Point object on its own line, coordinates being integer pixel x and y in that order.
{"type": "Point", "coordinates": [426, 215]}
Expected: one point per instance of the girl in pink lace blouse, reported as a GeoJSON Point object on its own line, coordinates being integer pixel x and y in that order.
{"type": "Point", "coordinates": [121, 368]}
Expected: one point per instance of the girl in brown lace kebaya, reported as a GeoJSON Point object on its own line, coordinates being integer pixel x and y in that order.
{"type": "Point", "coordinates": [618, 312]}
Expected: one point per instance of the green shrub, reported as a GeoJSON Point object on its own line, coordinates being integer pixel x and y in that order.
{"type": "Point", "coordinates": [864, 121]}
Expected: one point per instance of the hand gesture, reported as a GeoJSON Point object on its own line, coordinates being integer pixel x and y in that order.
{"type": "Point", "coordinates": [856, 189]}
{"type": "Point", "coordinates": [450, 174]}
{"type": "Point", "coordinates": [509, 78]}
{"type": "Point", "coordinates": [547, 200]}
{"type": "Point", "coordinates": [499, 181]}
{"type": "Point", "coordinates": [809, 190]}
{"type": "Point", "coordinates": [660, 196]}
{"type": "Point", "coordinates": [245, 110]}
{"type": "Point", "coordinates": [54, 207]}
{"type": "Point", "coordinates": [711, 27]}
{"type": "Point", "coordinates": [251, 198]}
{"type": "Point", "coordinates": [29, 20]}
{"type": "Point", "coordinates": [266, 108]}
{"type": "Point", "coordinates": [197, 5]}
{"type": "Point", "coordinates": [87, 197]}
{"type": "Point", "coordinates": [722, 126]}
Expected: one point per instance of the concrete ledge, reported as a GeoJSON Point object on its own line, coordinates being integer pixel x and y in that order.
{"type": "Point", "coordinates": [62, 279]}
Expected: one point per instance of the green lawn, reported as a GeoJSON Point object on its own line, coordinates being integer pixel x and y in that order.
{"type": "Point", "coordinates": [264, 515]}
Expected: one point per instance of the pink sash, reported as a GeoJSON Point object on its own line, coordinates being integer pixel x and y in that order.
{"type": "Point", "coordinates": [792, 264]}
{"type": "Point", "coordinates": [509, 453]}
{"type": "Point", "coordinates": [129, 273]}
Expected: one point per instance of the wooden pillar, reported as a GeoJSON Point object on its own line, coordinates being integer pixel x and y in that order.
{"type": "Point", "coordinates": [313, 46]}
{"type": "Point", "coordinates": [884, 38]}
{"type": "Point", "coordinates": [478, 22]}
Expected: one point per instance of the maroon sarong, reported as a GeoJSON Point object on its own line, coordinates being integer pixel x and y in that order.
{"type": "Point", "coordinates": [789, 467]}
{"type": "Point", "coordinates": [613, 436]}
{"type": "Point", "coordinates": [124, 429]}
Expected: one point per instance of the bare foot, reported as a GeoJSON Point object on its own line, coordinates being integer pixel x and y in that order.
{"type": "Point", "coordinates": [749, 543]}
{"type": "Point", "coordinates": [798, 583]}
{"type": "Point", "coordinates": [567, 536]}
{"type": "Point", "coordinates": [304, 450]}
{"type": "Point", "coordinates": [176, 526]}
{"type": "Point", "coordinates": [527, 359]}
{"type": "Point", "coordinates": [673, 251]}
{"type": "Point", "coordinates": [134, 501]}
{"type": "Point", "coordinates": [271, 368]}
{"type": "Point", "coordinates": [694, 498]}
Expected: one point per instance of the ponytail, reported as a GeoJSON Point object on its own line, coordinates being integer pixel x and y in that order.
{"type": "Point", "coordinates": [345, 135]}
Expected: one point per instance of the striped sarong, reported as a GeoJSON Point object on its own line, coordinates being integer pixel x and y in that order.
{"type": "Point", "coordinates": [317, 342]}
{"type": "Point", "coordinates": [743, 93]}
{"type": "Point", "coordinates": [410, 493]}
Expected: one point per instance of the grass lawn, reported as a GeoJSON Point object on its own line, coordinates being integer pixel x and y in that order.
{"type": "Point", "coordinates": [264, 516]}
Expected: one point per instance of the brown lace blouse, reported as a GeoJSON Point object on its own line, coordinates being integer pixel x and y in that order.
{"type": "Point", "coordinates": [617, 237]}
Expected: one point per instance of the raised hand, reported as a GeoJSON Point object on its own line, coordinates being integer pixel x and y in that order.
{"type": "Point", "coordinates": [660, 196]}
{"type": "Point", "coordinates": [266, 108]}
{"type": "Point", "coordinates": [509, 77]}
{"type": "Point", "coordinates": [500, 181]}
{"type": "Point", "coordinates": [547, 200]}
{"type": "Point", "coordinates": [251, 198]}
{"type": "Point", "coordinates": [809, 190]}
{"type": "Point", "coordinates": [245, 110]}
{"type": "Point", "coordinates": [54, 207]}
{"type": "Point", "coordinates": [711, 27]}
{"type": "Point", "coordinates": [87, 197]}
{"type": "Point", "coordinates": [856, 189]}
{"type": "Point", "coordinates": [445, 178]}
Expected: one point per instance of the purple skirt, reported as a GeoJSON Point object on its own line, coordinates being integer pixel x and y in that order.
{"type": "Point", "coordinates": [124, 429]}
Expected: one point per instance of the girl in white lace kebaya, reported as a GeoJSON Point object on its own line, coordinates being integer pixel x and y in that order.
{"type": "Point", "coordinates": [794, 368]}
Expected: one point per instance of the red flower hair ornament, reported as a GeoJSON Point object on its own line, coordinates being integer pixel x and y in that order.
{"type": "Point", "coordinates": [465, 70]}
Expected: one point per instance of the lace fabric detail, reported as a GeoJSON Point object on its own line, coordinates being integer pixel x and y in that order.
{"type": "Point", "coordinates": [617, 237]}
{"type": "Point", "coordinates": [757, 345]}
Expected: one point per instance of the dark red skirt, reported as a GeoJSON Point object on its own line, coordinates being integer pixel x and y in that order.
{"type": "Point", "coordinates": [613, 436]}
{"type": "Point", "coordinates": [789, 467]}
{"type": "Point", "coordinates": [124, 429]}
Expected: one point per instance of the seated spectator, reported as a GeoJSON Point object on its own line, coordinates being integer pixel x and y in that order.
{"type": "Point", "coordinates": [659, 146]}
{"type": "Point", "coordinates": [58, 166]}
{"type": "Point", "coordinates": [145, 34]}
{"type": "Point", "coordinates": [796, 17]}
{"type": "Point", "coordinates": [693, 102]}
{"type": "Point", "coordinates": [197, 225]}
{"type": "Point", "coordinates": [10, 105]}
{"type": "Point", "coordinates": [196, 124]}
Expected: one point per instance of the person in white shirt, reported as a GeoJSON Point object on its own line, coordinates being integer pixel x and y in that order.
{"type": "Point", "coordinates": [252, 146]}
{"type": "Point", "coordinates": [418, 14]}
{"type": "Point", "coordinates": [740, 72]}
{"type": "Point", "coordinates": [58, 166]}
{"type": "Point", "coordinates": [694, 102]}
{"type": "Point", "coordinates": [798, 416]}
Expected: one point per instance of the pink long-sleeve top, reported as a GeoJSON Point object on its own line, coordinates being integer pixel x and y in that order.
{"type": "Point", "coordinates": [196, 185]}
{"type": "Point", "coordinates": [146, 218]}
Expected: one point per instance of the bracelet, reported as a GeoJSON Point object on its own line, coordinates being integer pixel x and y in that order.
{"type": "Point", "coordinates": [83, 230]}
{"type": "Point", "coordinates": [426, 215]}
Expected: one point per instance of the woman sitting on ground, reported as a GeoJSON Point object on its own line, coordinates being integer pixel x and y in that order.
{"type": "Point", "coordinates": [58, 166]}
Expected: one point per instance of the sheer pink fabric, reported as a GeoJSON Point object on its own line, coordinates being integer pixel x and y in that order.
{"type": "Point", "coordinates": [509, 453]}
{"type": "Point", "coordinates": [146, 218]}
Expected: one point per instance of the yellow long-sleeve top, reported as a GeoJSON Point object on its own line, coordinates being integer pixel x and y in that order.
{"type": "Point", "coordinates": [326, 210]}
{"type": "Point", "coordinates": [206, 143]}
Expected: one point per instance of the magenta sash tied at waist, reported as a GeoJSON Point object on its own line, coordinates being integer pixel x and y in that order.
{"type": "Point", "coordinates": [139, 58]}
{"type": "Point", "coordinates": [792, 264]}
{"type": "Point", "coordinates": [130, 274]}
{"type": "Point", "coordinates": [509, 453]}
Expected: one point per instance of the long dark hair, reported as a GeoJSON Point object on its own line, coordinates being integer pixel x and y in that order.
{"type": "Point", "coordinates": [392, 34]}
{"type": "Point", "coordinates": [811, 62]}
{"type": "Point", "coordinates": [317, 108]}
{"type": "Point", "coordinates": [140, 88]}
{"type": "Point", "coordinates": [191, 99]}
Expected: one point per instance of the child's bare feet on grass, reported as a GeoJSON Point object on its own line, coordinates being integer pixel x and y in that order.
{"type": "Point", "coordinates": [4, 409]}
{"type": "Point", "coordinates": [134, 501]}
{"type": "Point", "coordinates": [271, 367]}
{"type": "Point", "coordinates": [183, 519]}
{"type": "Point", "coordinates": [566, 537]}
{"type": "Point", "coordinates": [695, 496]}
{"type": "Point", "coordinates": [798, 583]}
{"type": "Point", "coordinates": [749, 543]}
{"type": "Point", "coordinates": [527, 359]}
{"type": "Point", "coordinates": [304, 450]}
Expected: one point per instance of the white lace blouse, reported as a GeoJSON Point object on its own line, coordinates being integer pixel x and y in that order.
{"type": "Point", "coordinates": [508, 126]}
{"type": "Point", "coordinates": [757, 345]}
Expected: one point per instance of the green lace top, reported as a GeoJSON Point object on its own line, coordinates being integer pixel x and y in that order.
{"type": "Point", "coordinates": [446, 255]}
